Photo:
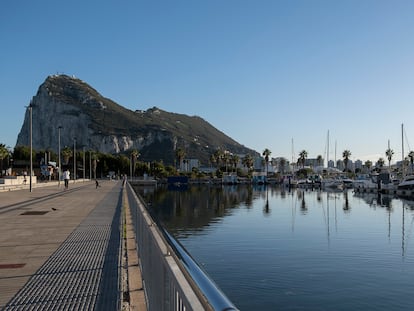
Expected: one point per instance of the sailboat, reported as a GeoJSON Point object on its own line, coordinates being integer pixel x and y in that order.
{"type": "Point", "coordinates": [331, 182]}
{"type": "Point", "coordinates": [407, 183]}
{"type": "Point", "coordinates": [290, 180]}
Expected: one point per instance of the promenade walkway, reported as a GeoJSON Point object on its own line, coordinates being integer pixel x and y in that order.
{"type": "Point", "coordinates": [61, 250]}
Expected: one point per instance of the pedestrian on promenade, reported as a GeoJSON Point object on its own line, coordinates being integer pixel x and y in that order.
{"type": "Point", "coordinates": [96, 184]}
{"type": "Point", "coordinates": [66, 177]}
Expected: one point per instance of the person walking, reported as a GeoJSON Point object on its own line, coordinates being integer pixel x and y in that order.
{"type": "Point", "coordinates": [66, 177]}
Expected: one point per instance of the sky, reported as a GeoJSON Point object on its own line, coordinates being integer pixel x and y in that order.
{"type": "Point", "coordinates": [275, 74]}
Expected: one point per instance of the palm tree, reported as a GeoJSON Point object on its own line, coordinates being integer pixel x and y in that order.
{"type": "Point", "coordinates": [380, 162]}
{"type": "Point", "coordinates": [319, 160]}
{"type": "Point", "coordinates": [95, 160]}
{"type": "Point", "coordinates": [4, 153]}
{"type": "Point", "coordinates": [247, 161]}
{"type": "Point", "coordinates": [266, 154]}
{"type": "Point", "coordinates": [134, 156]}
{"type": "Point", "coordinates": [67, 153]}
{"type": "Point", "coordinates": [218, 157]}
{"type": "Point", "coordinates": [389, 153]}
{"type": "Point", "coordinates": [282, 165]}
{"type": "Point", "coordinates": [226, 157]}
{"type": "Point", "coordinates": [302, 157]}
{"type": "Point", "coordinates": [180, 155]}
{"type": "Point", "coordinates": [368, 164]}
{"type": "Point", "coordinates": [235, 160]}
{"type": "Point", "coordinates": [345, 155]}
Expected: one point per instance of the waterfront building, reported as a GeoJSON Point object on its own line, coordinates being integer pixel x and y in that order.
{"type": "Point", "coordinates": [187, 165]}
{"type": "Point", "coordinates": [358, 165]}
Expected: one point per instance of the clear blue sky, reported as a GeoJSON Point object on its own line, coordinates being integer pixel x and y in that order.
{"type": "Point", "coordinates": [263, 72]}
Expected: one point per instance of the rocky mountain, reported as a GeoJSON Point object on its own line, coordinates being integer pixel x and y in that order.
{"type": "Point", "coordinates": [98, 123]}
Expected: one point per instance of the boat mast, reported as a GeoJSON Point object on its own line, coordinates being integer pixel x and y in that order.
{"type": "Point", "coordinates": [292, 158]}
{"type": "Point", "coordinates": [402, 146]}
{"type": "Point", "coordinates": [389, 166]}
{"type": "Point", "coordinates": [327, 153]}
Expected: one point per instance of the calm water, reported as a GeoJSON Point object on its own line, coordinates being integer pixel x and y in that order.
{"type": "Point", "coordinates": [269, 249]}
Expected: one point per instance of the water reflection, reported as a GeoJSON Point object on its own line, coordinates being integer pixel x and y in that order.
{"type": "Point", "coordinates": [320, 247]}
{"type": "Point", "coordinates": [193, 209]}
{"type": "Point", "coordinates": [267, 207]}
{"type": "Point", "coordinates": [376, 199]}
{"type": "Point", "coordinates": [346, 207]}
{"type": "Point", "coordinates": [197, 206]}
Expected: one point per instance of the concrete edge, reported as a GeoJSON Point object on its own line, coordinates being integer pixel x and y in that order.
{"type": "Point", "coordinates": [133, 290]}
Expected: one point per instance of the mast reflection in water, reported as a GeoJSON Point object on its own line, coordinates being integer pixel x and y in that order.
{"type": "Point", "coordinates": [271, 249]}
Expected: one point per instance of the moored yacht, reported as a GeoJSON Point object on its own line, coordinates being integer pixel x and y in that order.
{"type": "Point", "coordinates": [347, 182]}
{"type": "Point", "coordinates": [407, 183]}
{"type": "Point", "coordinates": [332, 183]}
{"type": "Point", "coordinates": [383, 181]}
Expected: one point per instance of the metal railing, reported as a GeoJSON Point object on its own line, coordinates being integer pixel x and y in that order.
{"type": "Point", "coordinates": [172, 279]}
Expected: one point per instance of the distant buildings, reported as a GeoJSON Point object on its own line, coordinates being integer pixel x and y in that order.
{"type": "Point", "coordinates": [279, 165]}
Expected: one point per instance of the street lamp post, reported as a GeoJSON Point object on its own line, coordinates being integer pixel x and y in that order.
{"type": "Point", "coordinates": [90, 165]}
{"type": "Point", "coordinates": [74, 159]}
{"type": "Point", "coordinates": [84, 168]}
{"type": "Point", "coordinates": [130, 167]}
{"type": "Point", "coordinates": [60, 168]}
{"type": "Point", "coordinates": [31, 145]}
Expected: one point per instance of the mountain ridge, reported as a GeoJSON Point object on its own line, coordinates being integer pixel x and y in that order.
{"type": "Point", "coordinates": [94, 122]}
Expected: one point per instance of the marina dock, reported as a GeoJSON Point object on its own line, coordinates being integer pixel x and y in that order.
{"type": "Point", "coordinates": [66, 249]}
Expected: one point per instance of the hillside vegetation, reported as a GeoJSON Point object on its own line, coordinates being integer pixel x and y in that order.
{"type": "Point", "coordinates": [197, 137]}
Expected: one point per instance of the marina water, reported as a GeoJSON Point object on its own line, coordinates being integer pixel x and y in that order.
{"type": "Point", "coordinates": [268, 248]}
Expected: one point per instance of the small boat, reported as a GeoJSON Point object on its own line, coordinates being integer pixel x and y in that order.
{"type": "Point", "coordinates": [332, 183]}
{"type": "Point", "coordinates": [347, 182]}
{"type": "Point", "coordinates": [407, 183]}
{"type": "Point", "coordinates": [366, 182]}
{"type": "Point", "coordinates": [289, 181]}
{"type": "Point", "coordinates": [383, 181]}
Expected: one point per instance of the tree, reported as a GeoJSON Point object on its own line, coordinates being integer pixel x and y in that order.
{"type": "Point", "coordinates": [122, 164]}
{"type": "Point", "coordinates": [247, 161]}
{"type": "Point", "coordinates": [134, 156]}
{"type": "Point", "coordinates": [22, 153]}
{"type": "Point", "coordinates": [282, 165]}
{"type": "Point", "coordinates": [380, 162]}
{"type": "Point", "coordinates": [4, 153]}
{"type": "Point", "coordinates": [212, 159]}
{"type": "Point", "coordinates": [66, 154]}
{"type": "Point", "coordinates": [302, 157]}
{"type": "Point", "coordinates": [235, 160]}
{"type": "Point", "coordinates": [227, 158]}
{"type": "Point", "coordinates": [217, 157]}
{"type": "Point", "coordinates": [368, 164]}
{"type": "Point", "coordinates": [319, 160]}
{"type": "Point", "coordinates": [266, 154]}
{"type": "Point", "coordinates": [180, 155]}
{"type": "Point", "coordinates": [345, 155]}
{"type": "Point", "coordinates": [389, 153]}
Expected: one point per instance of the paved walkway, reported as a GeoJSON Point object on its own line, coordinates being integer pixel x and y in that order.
{"type": "Point", "coordinates": [61, 250]}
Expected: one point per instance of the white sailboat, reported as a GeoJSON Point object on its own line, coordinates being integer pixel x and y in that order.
{"type": "Point", "coordinates": [407, 183]}
{"type": "Point", "coordinates": [331, 181]}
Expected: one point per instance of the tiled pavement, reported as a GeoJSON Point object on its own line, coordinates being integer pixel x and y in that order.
{"type": "Point", "coordinates": [60, 250]}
